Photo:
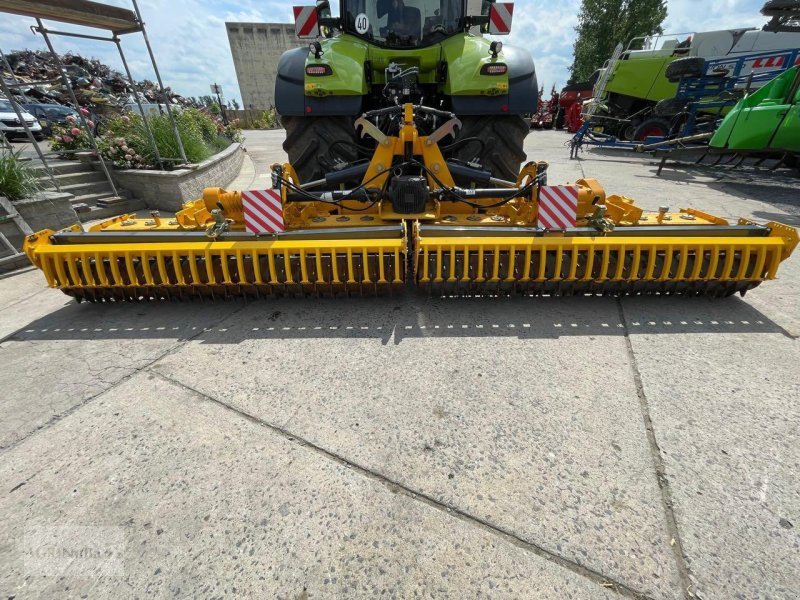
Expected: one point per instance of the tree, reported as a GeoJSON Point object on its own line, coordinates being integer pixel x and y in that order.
{"type": "Point", "coordinates": [602, 24]}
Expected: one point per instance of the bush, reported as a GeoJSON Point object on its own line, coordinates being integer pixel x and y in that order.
{"type": "Point", "coordinates": [267, 120]}
{"type": "Point", "coordinates": [17, 181]}
{"type": "Point", "coordinates": [70, 139]}
{"type": "Point", "coordinates": [127, 145]}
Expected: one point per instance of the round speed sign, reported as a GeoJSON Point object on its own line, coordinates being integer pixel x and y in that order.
{"type": "Point", "coordinates": [362, 23]}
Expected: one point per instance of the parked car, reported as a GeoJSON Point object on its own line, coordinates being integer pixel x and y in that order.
{"type": "Point", "coordinates": [56, 114]}
{"type": "Point", "coordinates": [10, 125]}
{"type": "Point", "coordinates": [51, 114]}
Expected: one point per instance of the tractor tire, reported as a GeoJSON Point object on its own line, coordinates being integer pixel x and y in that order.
{"type": "Point", "coordinates": [691, 66]}
{"type": "Point", "coordinates": [669, 107]}
{"type": "Point", "coordinates": [626, 133]}
{"type": "Point", "coordinates": [309, 140]}
{"type": "Point", "coordinates": [780, 8]}
{"type": "Point", "coordinates": [502, 137]}
{"type": "Point", "coordinates": [652, 127]}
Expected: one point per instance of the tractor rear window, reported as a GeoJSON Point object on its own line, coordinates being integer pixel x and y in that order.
{"type": "Point", "coordinates": [403, 22]}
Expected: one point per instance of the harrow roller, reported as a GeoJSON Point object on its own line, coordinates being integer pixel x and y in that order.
{"type": "Point", "coordinates": [596, 265]}
{"type": "Point", "coordinates": [520, 236]}
{"type": "Point", "coordinates": [131, 271]}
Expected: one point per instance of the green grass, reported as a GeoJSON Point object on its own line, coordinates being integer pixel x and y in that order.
{"type": "Point", "coordinates": [194, 145]}
{"type": "Point", "coordinates": [17, 181]}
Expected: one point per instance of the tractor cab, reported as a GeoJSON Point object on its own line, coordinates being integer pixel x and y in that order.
{"type": "Point", "coordinates": [404, 23]}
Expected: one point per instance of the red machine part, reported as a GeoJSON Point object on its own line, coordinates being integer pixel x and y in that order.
{"type": "Point", "coordinates": [546, 116]}
{"type": "Point", "coordinates": [570, 102]}
{"type": "Point", "coordinates": [573, 119]}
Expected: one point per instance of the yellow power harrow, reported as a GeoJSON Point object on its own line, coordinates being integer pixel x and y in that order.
{"type": "Point", "coordinates": [406, 218]}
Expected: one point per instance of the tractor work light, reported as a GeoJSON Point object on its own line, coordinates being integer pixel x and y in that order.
{"type": "Point", "coordinates": [494, 69]}
{"type": "Point", "coordinates": [318, 70]}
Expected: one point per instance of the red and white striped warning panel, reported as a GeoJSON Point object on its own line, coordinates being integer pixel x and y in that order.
{"type": "Point", "coordinates": [558, 206]}
{"type": "Point", "coordinates": [262, 211]}
{"type": "Point", "coordinates": [769, 62]}
{"type": "Point", "coordinates": [500, 15]}
{"type": "Point", "coordinates": [305, 21]}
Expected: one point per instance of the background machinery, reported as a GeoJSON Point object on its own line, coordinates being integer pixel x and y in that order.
{"type": "Point", "coordinates": [763, 126]}
{"type": "Point", "coordinates": [546, 117]}
{"type": "Point", "coordinates": [637, 100]}
{"type": "Point", "coordinates": [570, 103]}
{"type": "Point", "coordinates": [767, 121]}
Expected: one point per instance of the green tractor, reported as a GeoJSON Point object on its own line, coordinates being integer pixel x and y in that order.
{"type": "Point", "coordinates": [384, 53]}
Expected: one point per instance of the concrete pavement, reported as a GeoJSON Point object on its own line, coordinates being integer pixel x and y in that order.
{"type": "Point", "coordinates": [537, 448]}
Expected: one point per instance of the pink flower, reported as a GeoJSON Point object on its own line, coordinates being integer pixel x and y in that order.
{"type": "Point", "coordinates": [90, 123]}
{"type": "Point", "coordinates": [128, 157]}
{"type": "Point", "coordinates": [75, 131]}
{"type": "Point", "coordinates": [70, 119]}
{"type": "Point", "coordinates": [126, 119]}
{"type": "Point", "coordinates": [66, 139]}
{"type": "Point", "coordinates": [84, 112]}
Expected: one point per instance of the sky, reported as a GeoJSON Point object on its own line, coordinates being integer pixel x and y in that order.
{"type": "Point", "coordinates": [191, 44]}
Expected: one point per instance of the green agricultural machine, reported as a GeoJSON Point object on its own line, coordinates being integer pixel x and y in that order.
{"type": "Point", "coordinates": [762, 130]}
{"type": "Point", "coordinates": [638, 99]}
{"type": "Point", "coordinates": [381, 54]}
{"type": "Point", "coordinates": [767, 121]}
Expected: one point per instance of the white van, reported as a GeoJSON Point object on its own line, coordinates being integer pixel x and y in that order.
{"type": "Point", "coordinates": [10, 125]}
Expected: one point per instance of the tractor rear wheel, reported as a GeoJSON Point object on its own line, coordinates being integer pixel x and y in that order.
{"type": "Point", "coordinates": [652, 127]}
{"type": "Point", "coordinates": [497, 143]}
{"type": "Point", "coordinates": [314, 143]}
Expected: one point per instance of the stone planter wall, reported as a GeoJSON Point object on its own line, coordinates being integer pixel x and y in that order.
{"type": "Point", "coordinates": [47, 210]}
{"type": "Point", "coordinates": [167, 190]}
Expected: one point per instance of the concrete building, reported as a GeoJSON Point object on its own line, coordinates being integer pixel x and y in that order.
{"type": "Point", "coordinates": [256, 49]}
